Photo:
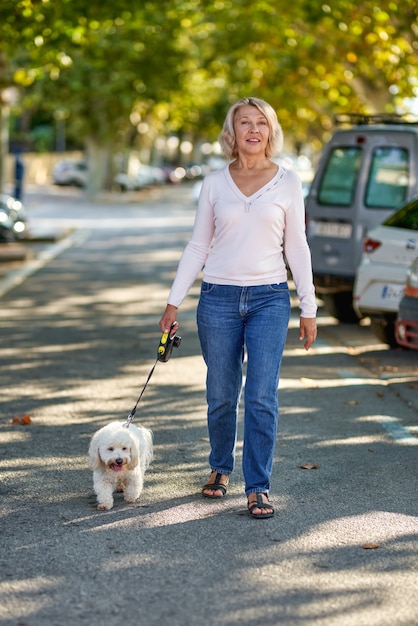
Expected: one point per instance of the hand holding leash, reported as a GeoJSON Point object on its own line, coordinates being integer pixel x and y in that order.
{"type": "Point", "coordinates": [168, 341]}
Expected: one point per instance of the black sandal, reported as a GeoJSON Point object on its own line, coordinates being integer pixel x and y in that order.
{"type": "Point", "coordinates": [215, 486]}
{"type": "Point", "coordinates": [259, 504]}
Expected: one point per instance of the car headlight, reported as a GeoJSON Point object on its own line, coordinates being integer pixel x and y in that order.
{"type": "Point", "coordinates": [19, 227]}
{"type": "Point", "coordinates": [14, 204]}
{"type": "Point", "coordinates": [412, 275]}
{"type": "Point", "coordinates": [401, 330]}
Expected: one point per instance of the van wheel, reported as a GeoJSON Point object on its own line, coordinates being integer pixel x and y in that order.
{"type": "Point", "coordinates": [340, 305]}
{"type": "Point", "coordinates": [383, 327]}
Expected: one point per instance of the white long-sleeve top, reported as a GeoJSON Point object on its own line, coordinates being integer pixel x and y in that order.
{"type": "Point", "coordinates": [242, 240]}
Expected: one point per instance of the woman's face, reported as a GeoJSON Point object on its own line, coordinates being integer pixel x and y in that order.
{"type": "Point", "coordinates": [251, 131]}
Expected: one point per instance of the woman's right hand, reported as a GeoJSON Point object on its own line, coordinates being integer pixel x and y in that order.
{"type": "Point", "coordinates": [168, 321]}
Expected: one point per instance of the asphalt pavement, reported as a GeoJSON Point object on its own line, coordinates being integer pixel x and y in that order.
{"type": "Point", "coordinates": [78, 337]}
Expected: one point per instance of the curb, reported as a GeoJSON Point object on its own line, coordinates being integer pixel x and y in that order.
{"type": "Point", "coordinates": [42, 235]}
{"type": "Point", "coordinates": [18, 250]}
{"type": "Point", "coordinates": [17, 276]}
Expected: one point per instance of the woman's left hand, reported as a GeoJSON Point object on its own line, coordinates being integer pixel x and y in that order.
{"type": "Point", "coordinates": [307, 331]}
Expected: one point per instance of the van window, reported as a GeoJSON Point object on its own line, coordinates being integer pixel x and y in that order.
{"type": "Point", "coordinates": [340, 175]}
{"type": "Point", "coordinates": [388, 178]}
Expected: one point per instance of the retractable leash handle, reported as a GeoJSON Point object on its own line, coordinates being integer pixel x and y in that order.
{"type": "Point", "coordinates": [167, 343]}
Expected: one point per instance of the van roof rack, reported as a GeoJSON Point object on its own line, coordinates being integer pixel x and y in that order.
{"type": "Point", "coordinates": [377, 118]}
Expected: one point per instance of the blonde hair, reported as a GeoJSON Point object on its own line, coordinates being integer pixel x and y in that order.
{"type": "Point", "coordinates": [227, 137]}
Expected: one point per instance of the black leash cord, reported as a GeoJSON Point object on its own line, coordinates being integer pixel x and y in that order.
{"type": "Point", "coordinates": [163, 354]}
{"type": "Point", "coordinates": [132, 413]}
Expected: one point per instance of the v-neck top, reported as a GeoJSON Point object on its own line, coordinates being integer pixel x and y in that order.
{"type": "Point", "coordinates": [273, 181]}
{"type": "Point", "coordinates": [243, 240]}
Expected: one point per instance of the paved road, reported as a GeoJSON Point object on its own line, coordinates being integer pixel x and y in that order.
{"type": "Point", "coordinates": [77, 339]}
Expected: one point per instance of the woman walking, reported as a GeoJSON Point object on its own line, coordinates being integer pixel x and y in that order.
{"type": "Point", "coordinates": [250, 218]}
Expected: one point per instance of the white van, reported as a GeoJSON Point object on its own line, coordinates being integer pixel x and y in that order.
{"type": "Point", "coordinates": [367, 170]}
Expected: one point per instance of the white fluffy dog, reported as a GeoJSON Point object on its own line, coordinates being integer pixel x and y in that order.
{"type": "Point", "coordinates": [119, 456]}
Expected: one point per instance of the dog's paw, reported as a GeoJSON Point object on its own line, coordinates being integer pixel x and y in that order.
{"type": "Point", "coordinates": [131, 499]}
{"type": "Point", "coordinates": [104, 506]}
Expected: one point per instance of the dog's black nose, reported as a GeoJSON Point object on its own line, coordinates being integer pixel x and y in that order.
{"type": "Point", "coordinates": [119, 461]}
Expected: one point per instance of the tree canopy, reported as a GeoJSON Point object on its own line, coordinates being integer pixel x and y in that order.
{"type": "Point", "coordinates": [174, 66]}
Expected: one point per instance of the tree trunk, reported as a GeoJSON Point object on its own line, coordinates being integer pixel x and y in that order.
{"type": "Point", "coordinates": [100, 164]}
{"type": "Point", "coordinates": [375, 97]}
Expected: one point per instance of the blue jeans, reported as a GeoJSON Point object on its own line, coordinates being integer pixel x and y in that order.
{"type": "Point", "coordinates": [230, 318]}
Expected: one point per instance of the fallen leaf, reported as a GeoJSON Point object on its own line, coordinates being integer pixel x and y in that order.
{"type": "Point", "coordinates": [22, 420]}
{"type": "Point", "coordinates": [379, 394]}
{"type": "Point", "coordinates": [309, 466]}
{"type": "Point", "coordinates": [351, 402]}
{"type": "Point", "coordinates": [368, 361]}
{"type": "Point", "coordinates": [370, 546]}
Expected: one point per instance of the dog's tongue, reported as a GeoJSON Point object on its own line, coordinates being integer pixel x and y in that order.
{"type": "Point", "coordinates": [116, 468]}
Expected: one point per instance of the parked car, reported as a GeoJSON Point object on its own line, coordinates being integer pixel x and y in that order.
{"type": "Point", "coordinates": [367, 170]}
{"type": "Point", "coordinates": [146, 176]}
{"type": "Point", "coordinates": [13, 219]}
{"type": "Point", "coordinates": [388, 251]}
{"type": "Point", "coordinates": [69, 172]}
{"type": "Point", "coordinates": [6, 228]}
{"type": "Point", "coordinates": [406, 328]}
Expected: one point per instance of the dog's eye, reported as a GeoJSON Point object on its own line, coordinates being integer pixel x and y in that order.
{"type": "Point", "coordinates": [110, 449]}
{"type": "Point", "coordinates": [125, 448]}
